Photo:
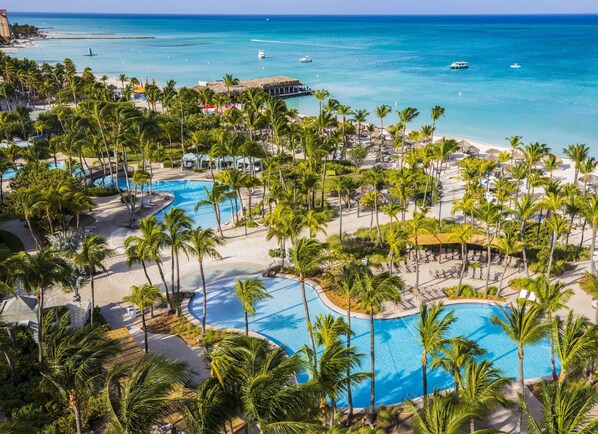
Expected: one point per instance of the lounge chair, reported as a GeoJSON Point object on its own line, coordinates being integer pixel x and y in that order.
{"type": "Point", "coordinates": [532, 296]}
{"type": "Point", "coordinates": [523, 293]}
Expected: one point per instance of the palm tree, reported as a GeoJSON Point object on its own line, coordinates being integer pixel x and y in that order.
{"type": "Point", "coordinates": [589, 210]}
{"type": "Point", "coordinates": [432, 327]}
{"type": "Point", "coordinates": [214, 197]}
{"type": "Point", "coordinates": [143, 297]}
{"type": "Point", "coordinates": [74, 362]}
{"type": "Point", "coordinates": [575, 341]}
{"type": "Point", "coordinates": [94, 251]}
{"type": "Point", "coordinates": [525, 326]}
{"type": "Point", "coordinates": [202, 244]}
{"type": "Point", "coordinates": [578, 153]}
{"type": "Point", "coordinates": [249, 291]}
{"type": "Point", "coordinates": [405, 116]}
{"type": "Point", "coordinates": [321, 95]}
{"type": "Point", "coordinates": [559, 226]}
{"type": "Point", "coordinates": [567, 408]}
{"type": "Point", "coordinates": [360, 116]}
{"type": "Point", "coordinates": [515, 143]}
{"type": "Point", "coordinates": [552, 298]}
{"type": "Point", "coordinates": [140, 178]}
{"type": "Point", "coordinates": [457, 352]}
{"type": "Point", "coordinates": [229, 81]}
{"type": "Point", "coordinates": [437, 113]}
{"type": "Point", "coordinates": [490, 215]}
{"type": "Point", "coordinates": [483, 389]}
{"type": "Point", "coordinates": [305, 256]}
{"type": "Point", "coordinates": [140, 395]}
{"type": "Point", "coordinates": [525, 207]}
{"type": "Point", "coordinates": [589, 283]}
{"type": "Point", "coordinates": [177, 225]}
{"type": "Point", "coordinates": [372, 291]}
{"type": "Point", "coordinates": [36, 273]}
{"type": "Point", "coordinates": [381, 112]}
{"type": "Point", "coordinates": [396, 239]}
{"type": "Point", "coordinates": [441, 414]}
{"type": "Point", "coordinates": [508, 245]}
{"type": "Point", "coordinates": [416, 227]}
{"type": "Point", "coordinates": [463, 235]}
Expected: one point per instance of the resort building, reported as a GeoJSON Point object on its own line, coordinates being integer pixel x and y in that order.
{"type": "Point", "coordinates": [278, 87]}
{"type": "Point", "coordinates": [4, 27]}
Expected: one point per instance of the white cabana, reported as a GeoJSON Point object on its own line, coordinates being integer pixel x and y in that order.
{"type": "Point", "coordinates": [190, 161]}
{"type": "Point", "coordinates": [247, 164]}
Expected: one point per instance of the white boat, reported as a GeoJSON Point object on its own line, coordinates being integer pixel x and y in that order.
{"type": "Point", "coordinates": [515, 66]}
{"type": "Point", "coordinates": [261, 55]}
{"type": "Point", "coordinates": [459, 65]}
{"type": "Point", "coordinates": [305, 59]}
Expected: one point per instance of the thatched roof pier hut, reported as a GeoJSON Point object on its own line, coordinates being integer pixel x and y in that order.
{"type": "Point", "coordinates": [278, 86]}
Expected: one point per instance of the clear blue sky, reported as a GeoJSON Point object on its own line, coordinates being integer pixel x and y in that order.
{"type": "Point", "coordinates": [273, 7]}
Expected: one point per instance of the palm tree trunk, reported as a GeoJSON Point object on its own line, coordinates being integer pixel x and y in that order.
{"type": "Point", "coordinates": [145, 345]}
{"type": "Point", "coordinates": [522, 386]}
{"type": "Point", "coordinates": [372, 414]}
{"type": "Point", "coordinates": [417, 264]}
{"type": "Point", "coordinates": [425, 375]}
{"type": "Point", "coordinates": [592, 263]}
{"type": "Point", "coordinates": [168, 299]}
{"type": "Point", "coordinates": [349, 393]}
{"type": "Point", "coordinates": [172, 277]}
{"type": "Point", "coordinates": [205, 299]}
{"type": "Point", "coordinates": [552, 245]}
{"type": "Point", "coordinates": [178, 287]}
{"type": "Point", "coordinates": [93, 299]}
{"type": "Point", "coordinates": [377, 220]}
{"type": "Point", "coordinates": [489, 252]}
{"type": "Point", "coordinates": [462, 273]}
{"type": "Point", "coordinates": [40, 320]}
{"type": "Point", "coordinates": [340, 214]}
{"type": "Point", "coordinates": [523, 249]}
{"type": "Point", "coordinates": [471, 425]}
{"type": "Point", "coordinates": [307, 318]}
{"type": "Point", "coordinates": [502, 278]}
{"type": "Point", "coordinates": [246, 323]}
{"type": "Point", "coordinates": [77, 412]}
{"type": "Point", "coordinates": [149, 281]}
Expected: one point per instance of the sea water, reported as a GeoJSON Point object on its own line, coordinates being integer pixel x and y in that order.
{"type": "Point", "coordinates": [368, 61]}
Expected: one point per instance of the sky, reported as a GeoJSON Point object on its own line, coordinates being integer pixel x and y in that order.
{"type": "Point", "coordinates": [341, 7]}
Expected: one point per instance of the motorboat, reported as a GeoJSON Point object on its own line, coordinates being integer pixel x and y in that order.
{"type": "Point", "coordinates": [305, 59]}
{"type": "Point", "coordinates": [459, 65]}
{"type": "Point", "coordinates": [261, 55]}
{"type": "Point", "coordinates": [515, 66]}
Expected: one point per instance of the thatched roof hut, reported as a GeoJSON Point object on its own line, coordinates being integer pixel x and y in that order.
{"type": "Point", "coordinates": [279, 85]}
{"type": "Point", "coordinates": [472, 150]}
{"type": "Point", "coordinates": [463, 145]}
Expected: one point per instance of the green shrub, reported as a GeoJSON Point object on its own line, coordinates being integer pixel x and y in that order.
{"type": "Point", "coordinates": [275, 253]}
{"type": "Point", "coordinates": [101, 191]}
{"type": "Point", "coordinates": [167, 164]}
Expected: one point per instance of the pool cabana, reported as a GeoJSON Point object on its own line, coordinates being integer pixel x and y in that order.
{"type": "Point", "coordinates": [449, 238]}
{"type": "Point", "coordinates": [191, 161]}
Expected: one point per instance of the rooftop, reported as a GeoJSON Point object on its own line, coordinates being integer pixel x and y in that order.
{"type": "Point", "coordinates": [263, 83]}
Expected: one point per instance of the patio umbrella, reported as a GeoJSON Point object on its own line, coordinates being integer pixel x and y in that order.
{"type": "Point", "coordinates": [589, 180]}
{"type": "Point", "coordinates": [463, 145]}
{"type": "Point", "coordinates": [472, 150]}
{"type": "Point", "coordinates": [518, 155]}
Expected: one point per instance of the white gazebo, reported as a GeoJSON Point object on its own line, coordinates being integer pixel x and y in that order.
{"type": "Point", "coordinates": [190, 161]}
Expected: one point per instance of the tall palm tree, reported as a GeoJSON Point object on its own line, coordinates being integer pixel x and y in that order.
{"type": "Point", "coordinates": [552, 297]}
{"type": "Point", "coordinates": [405, 116]}
{"type": "Point", "coordinates": [567, 408]}
{"type": "Point", "coordinates": [483, 389]}
{"type": "Point", "coordinates": [381, 112]}
{"type": "Point", "coordinates": [36, 273]}
{"type": "Point", "coordinates": [396, 239]}
{"type": "Point", "coordinates": [372, 291]}
{"type": "Point", "coordinates": [489, 214]}
{"type": "Point", "coordinates": [558, 226]}
{"type": "Point", "coordinates": [578, 153]}
{"type": "Point", "coordinates": [74, 362]}
{"type": "Point", "coordinates": [140, 395]}
{"type": "Point", "coordinates": [202, 244]}
{"type": "Point", "coordinates": [305, 256]}
{"type": "Point", "coordinates": [229, 81]}
{"type": "Point", "coordinates": [575, 342]}
{"type": "Point", "coordinates": [432, 328]}
{"type": "Point", "coordinates": [94, 251]}
{"type": "Point", "coordinates": [177, 225]}
{"type": "Point", "coordinates": [525, 207]}
{"type": "Point", "coordinates": [142, 297]}
{"type": "Point", "coordinates": [249, 291]}
{"type": "Point", "coordinates": [321, 95]}
{"type": "Point", "coordinates": [509, 245]}
{"type": "Point", "coordinates": [214, 197]}
{"type": "Point", "coordinates": [589, 210]}
{"type": "Point", "coordinates": [360, 116]}
{"type": "Point", "coordinates": [437, 113]}
{"type": "Point", "coordinates": [456, 353]}
{"type": "Point", "coordinates": [463, 235]}
{"type": "Point", "coordinates": [416, 227]}
{"type": "Point", "coordinates": [524, 325]}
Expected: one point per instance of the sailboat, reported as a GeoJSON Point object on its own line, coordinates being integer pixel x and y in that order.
{"type": "Point", "coordinates": [90, 54]}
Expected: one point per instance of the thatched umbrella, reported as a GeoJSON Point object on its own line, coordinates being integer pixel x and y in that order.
{"type": "Point", "coordinates": [590, 179]}
{"type": "Point", "coordinates": [491, 157]}
{"type": "Point", "coordinates": [492, 151]}
{"type": "Point", "coordinates": [518, 156]}
{"type": "Point", "coordinates": [472, 150]}
{"type": "Point", "coordinates": [463, 145]}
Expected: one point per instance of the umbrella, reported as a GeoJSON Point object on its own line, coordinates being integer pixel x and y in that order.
{"type": "Point", "coordinates": [518, 155]}
{"type": "Point", "coordinates": [463, 145]}
{"type": "Point", "coordinates": [491, 157]}
{"type": "Point", "coordinates": [492, 151]}
{"type": "Point", "coordinates": [472, 150]}
{"type": "Point", "coordinates": [589, 179]}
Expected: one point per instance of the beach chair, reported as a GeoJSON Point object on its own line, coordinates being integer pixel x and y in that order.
{"type": "Point", "coordinates": [532, 296]}
{"type": "Point", "coordinates": [523, 294]}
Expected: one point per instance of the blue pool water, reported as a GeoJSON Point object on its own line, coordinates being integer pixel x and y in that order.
{"type": "Point", "coordinates": [11, 173]}
{"type": "Point", "coordinates": [367, 61]}
{"type": "Point", "coordinates": [398, 352]}
{"type": "Point", "coordinates": [186, 195]}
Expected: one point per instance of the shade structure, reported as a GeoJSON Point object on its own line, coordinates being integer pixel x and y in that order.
{"type": "Point", "coordinates": [491, 157]}
{"type": "Point", "coordinates": [463, 145]}
{"type": "Point", "coordinates": [590, 179]}
{"type": "Point", "coordinates": [517, 155]}
{"type": "Point", "coordinates": [472, 150]}
{"type": "Point", "coordinates": [492, 151]}
{"type": "Point", "coordinates": [451, 238]}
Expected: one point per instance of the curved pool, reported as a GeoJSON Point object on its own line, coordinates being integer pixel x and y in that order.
{"type": "Point", "coordinates": [186, 195]}
{"type": "Point", "coordinates": [398, 352]}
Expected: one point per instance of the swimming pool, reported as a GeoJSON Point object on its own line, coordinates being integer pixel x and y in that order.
{"type": "Point", "coordinates": [186, 195]}
{"type": "Point", "coordinates": [398, 352]}
{"type": "Point", "coordinates": [11, 173]}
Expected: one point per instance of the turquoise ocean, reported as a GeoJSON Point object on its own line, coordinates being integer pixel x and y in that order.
{"type": "Point", "coordinates": [368, 61]}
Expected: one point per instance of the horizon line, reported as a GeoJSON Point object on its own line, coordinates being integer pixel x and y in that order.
{"type": "Point", "coordinates": [512, 14]}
